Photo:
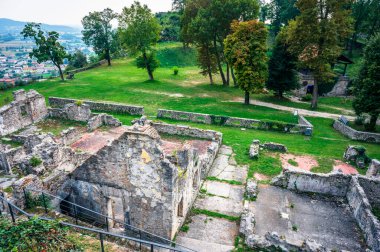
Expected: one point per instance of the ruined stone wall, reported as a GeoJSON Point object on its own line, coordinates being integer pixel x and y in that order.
{"type": "Point", "coordinates": [182, 130]}
{"type": "Point", "coordinates": [102, 119]}
{"type": "Point", "coordinates": [371, 187]}
{"type": "Point", "coordinates": [331, 184]}
{"type": "Point", "coordinates": [232, 121]}
{"type": "Point", "coordinates": [304, 124]}
{"type": "Point", "coordinates": [340, 88]}
{"type": "Point", "coordinates": [133, 163]}
{"type": "Point", "coordinates": [27, 108]}
{"type": "Point", "coordinates": [100, 106]}
{"type": "Point", "coordinates": [356, 135]}
{"type": "Point", "coordinates": [361, 207]}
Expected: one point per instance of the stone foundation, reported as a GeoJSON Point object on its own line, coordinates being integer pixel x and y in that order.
{"type": "Point", "coordinates": [100, 106]}
{"type": "Point", "coordinates": [235, 122]}
{"type": "Point", "coordinates": [356, 135]}
{"type": "Point", "coordinates": [27, 108]}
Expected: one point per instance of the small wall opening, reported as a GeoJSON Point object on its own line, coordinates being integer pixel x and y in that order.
{"type": "Point", "coordinates": [180, 208]}
{"type": "Point", "coordinates": [196, 180]}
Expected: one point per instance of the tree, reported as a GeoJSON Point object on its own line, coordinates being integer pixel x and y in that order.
{"type": "Point", "coordinates": [215, 17]}
{"type": "Point", "coordinates": [281, 12]}
{"type": "Point", "coordinates": [207, 61]}
{"type": "Point", "coordinates": [282, 67]}
{"type": "Point", "coordinates": [98, 32]}
{"type": "Point", "coordinates": [317, 35]}
{"type": "Point", "coordinates": [47, 45]}
{"type": "Point", "coordinates": [78, 59]}
{"type": "Point", "coordinates": [139, 33]}
{"type": "Point", "coordinates": [367, 85]}
{"type": "Point", "coordinates": [246, 49]}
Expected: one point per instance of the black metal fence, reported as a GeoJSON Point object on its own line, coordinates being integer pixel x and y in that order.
{"type": "Point", "coordinates": [139, 241]}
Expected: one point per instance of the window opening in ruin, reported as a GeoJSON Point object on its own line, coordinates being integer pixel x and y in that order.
{"type": "Point", "coordinates": [196, 180]}
{"type": "Point", "coordinates": [180, 208]}
{"type": "Point", "coordinates": [23, 110]}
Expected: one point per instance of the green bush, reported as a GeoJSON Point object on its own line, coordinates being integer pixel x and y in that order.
{"type": "Point", "coordinates": [359, 120]}
{"type": "Point", "coordinates": [175, 70]}
{"type": "Point", "coordinates": [307, 97]}
{"type": "Point", "coordinates": [35, 161]}
{"type": "Point", "coordinates": [79, 103]}
{"type": "Point", "coordinates": [34, 235]}
{"type": "Point", "coordinates": [32, 201]}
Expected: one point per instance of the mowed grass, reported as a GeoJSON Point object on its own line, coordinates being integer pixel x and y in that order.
{"type": "Point", "coordinates": [190, 91]}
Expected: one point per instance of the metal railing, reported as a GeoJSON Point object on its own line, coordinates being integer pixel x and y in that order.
{"type": "Point", "coordinates": [16, 212]}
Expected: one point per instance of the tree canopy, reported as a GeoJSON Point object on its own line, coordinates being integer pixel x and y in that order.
{"type": "Point", "coordinates": [317, 36]}
{"type": "Point", "coordinates": [139, 33]}
{"type": "Point", "coordinates": [97, 32]}
{"type": "Point", "coordinates": [367, 85]}
{"type": "Point", "coordinates": [245, 49]}
{"type": "Point", "coordinates": [47, 45]}
{"type": "Point", "coordinates": [282, 67]}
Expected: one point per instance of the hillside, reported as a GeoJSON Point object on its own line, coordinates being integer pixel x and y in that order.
{"type": "Point", "coordinates": [13, 26]}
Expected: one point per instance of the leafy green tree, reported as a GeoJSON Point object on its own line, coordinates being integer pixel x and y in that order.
{"type": "Point", "coordinates": [97, 32]}
{"type": "Point", "coordinates": [281, 12]}
{"type": "Point", "coordinates": [317, 35]}
{"type": "Point", "coordinates": [282, 67]}
{"type": "Point", "coordinates": [78, 59]}
{"type": "Point", "coordinates": [170, 23]}
{"type": "Point", "coordinates": [139, 33]}
{"type": "Point", "coordinates": [246, 50]}
{"type": "Point", "coordinates": [367, 85]}
{"type": "Point", "coordinates": [207, 61]}
{"type": "Point", "coordinates": [47, 45]}
{"type": "Point", "coordinates": [214, 17]}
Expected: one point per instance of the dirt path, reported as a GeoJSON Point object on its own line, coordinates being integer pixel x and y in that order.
{"type": "Point", "coordinates": [303, 112]}
{"type": "Point", "coordinates": [207, 233]}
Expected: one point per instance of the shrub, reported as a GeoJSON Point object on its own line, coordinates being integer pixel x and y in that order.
{"type": "Point", "coordinates": [307, 97]}
{"type": "Point", "coordinates": [185, 228]}
{"type": "Point", "coordinates": [175, 70]}
{"type": "Point", "coordinates": [35, 161]}
{"type": "Point", "coordinates": [359, 120]}
{"type": "Point", "coordinates": [79, 103]}
{"type": "Point", "coordinates": [35, 235]}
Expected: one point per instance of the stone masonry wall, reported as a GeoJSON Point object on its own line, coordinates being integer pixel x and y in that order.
{"type": "Point", "coordinates": [27, 108]}
{"type": "Point", "coordinates": [361, 207]}
{"type": "Point", "coordinates": [232, 121]}
{"type": "Point", "coordinates": [371, 187]}
{"type": "Point", "coordinates": [331, 184]}
{"type": "Point", "coordinates": [100, 106]}
{"type": "Point", "coordinates": [354, 134]}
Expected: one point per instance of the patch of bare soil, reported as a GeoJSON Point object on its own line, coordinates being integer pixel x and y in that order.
{"type": "Point", "coordinates": [344, 167]}
{"type": "Point", "coordinates": [305, 163]}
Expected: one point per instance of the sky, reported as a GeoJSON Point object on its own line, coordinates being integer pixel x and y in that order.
{"type": "Point", "coordinates": [67, 12]}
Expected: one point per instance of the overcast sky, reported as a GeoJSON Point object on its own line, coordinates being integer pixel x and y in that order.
{"type": "Point", "coordinates": [67, 12]}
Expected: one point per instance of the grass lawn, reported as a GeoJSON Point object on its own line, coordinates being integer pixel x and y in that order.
{"type": "Point", "coordinates": [189, 91]}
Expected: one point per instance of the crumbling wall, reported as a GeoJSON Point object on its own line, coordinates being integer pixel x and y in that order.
{"type": "Point", "coordinates": [302, 181]}
{"type": "Point", "coordinates": [100, 106]}
{"type": "Point", "coordinates": [134, 163]}
{"type": "Point", "coordinates": [27, 108]}
{"type": "Point", "coordinates": [361, 207]}
{"type": "Point", "coordinates": [371, 187]}
{"type": "Point", "coordinates": [233, 121]}
{"type": "Point", "coordinates": [102, 119]}
{"type": "Point", "coordinates": [356, 135]}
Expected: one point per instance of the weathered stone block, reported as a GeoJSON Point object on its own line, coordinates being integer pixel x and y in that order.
{"type": "Point", "coordinates": [374, 168]}
{"type": "Point", "coordinates": [77, 112]}
{"type": "Point", "coordinates": [275, 147]}
{"type": "Point", "coordinates": [251, 189]}
{"type": "Point", "coordinates": [254, 149]}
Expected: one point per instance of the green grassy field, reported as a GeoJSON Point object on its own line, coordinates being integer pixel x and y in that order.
{"type": "Point", "coordinates": [189, 91]}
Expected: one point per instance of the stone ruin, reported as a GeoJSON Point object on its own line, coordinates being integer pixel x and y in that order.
{"type": "Point", "coordinates": [141, 171]}
{"type": "Point", "coordinates": [27, 108]}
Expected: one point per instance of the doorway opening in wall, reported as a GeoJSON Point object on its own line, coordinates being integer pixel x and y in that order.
{"type": "Point", "coordinates": [180, 208]}
{"type": "Point", "coordinates": [196, 180]}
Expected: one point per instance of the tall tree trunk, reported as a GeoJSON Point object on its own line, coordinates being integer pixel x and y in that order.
{"type": "Point", "coordinates": [210, 75]}
{"type": "Point", "coordinates": [233, 77]}
{"type": "Point", "coordinates": [148, 69]}
{"type": "Point", "coordinates": [228, 74]}
{"type": "Point", "coordinates": [60, 72]}
{"type": "Point", "coordinates": [219, 63]}
{"type": "Point", "coordinates": [372, 122]}
{"type": "Point", "coordinates": [314, 100]}
{"type": "Point", "coordinates": [246, 98]}
{"type": "Point", "coordinates": [108, 57]}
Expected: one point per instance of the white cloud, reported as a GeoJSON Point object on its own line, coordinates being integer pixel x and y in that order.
{"type": "Point", "coordinates": [67, 12]}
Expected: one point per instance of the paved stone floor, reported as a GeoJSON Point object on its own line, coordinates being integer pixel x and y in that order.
{"type": "Point", "coordinates": [216, 234]}
{"type": "Point", "coordinates": [327, 221]}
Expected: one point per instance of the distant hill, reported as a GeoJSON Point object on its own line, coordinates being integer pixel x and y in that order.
{"type": "Point", "coordinates": [12, 26]}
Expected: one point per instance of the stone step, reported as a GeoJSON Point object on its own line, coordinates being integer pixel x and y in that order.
{"type": "Point", "coordinates": [203, 246]}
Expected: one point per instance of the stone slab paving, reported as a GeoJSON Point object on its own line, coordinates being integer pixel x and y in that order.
{"type": "Point", "coordinates": [217, 234]}
{"type": "Point", "coordinates": [326, 220]}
